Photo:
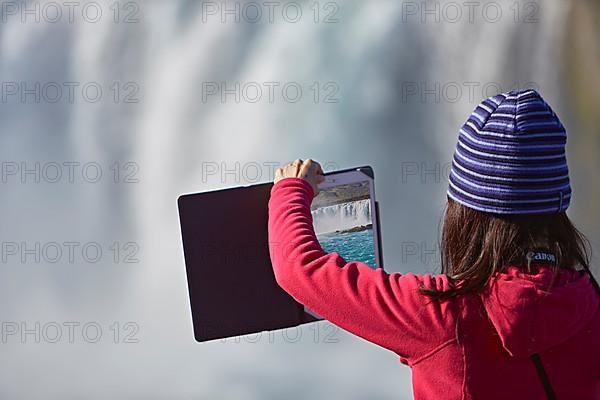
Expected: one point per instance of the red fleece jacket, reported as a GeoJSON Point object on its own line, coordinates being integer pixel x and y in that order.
{"type": "Point", "coordinates": [475, 346]}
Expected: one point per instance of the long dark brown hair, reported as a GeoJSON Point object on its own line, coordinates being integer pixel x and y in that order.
{"type": "Point", "coordinates": [475, 244]}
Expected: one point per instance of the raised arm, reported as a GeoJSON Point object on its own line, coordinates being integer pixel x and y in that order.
{"type": "Point", "coordinates": [383, 308]}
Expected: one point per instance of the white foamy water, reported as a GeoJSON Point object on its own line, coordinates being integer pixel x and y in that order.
{"type": "Point", "coordinates": [342, 216]}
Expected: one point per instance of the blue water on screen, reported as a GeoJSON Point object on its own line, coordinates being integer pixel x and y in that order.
{"type": "Point", "coordinates": [352, 246]}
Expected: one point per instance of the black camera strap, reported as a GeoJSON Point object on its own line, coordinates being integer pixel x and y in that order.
{"type": "Point", "coordinates": [546, 257]}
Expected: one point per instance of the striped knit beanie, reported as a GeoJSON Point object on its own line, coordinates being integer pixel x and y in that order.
{"type": "Point", "coordinates": [510, 157]}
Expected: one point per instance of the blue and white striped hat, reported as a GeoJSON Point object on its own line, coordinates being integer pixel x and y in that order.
{"type": "Point", "coordinates": [510, 157]}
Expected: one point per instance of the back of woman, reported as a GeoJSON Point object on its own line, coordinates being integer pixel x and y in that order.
{"type": "Point", "coordinates": [514, 313]}
{"type": "Point", "coordinates": [498, 336]}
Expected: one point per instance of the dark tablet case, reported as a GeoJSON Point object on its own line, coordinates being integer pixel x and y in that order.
{"type": "Point", "coordinates": [231, 283]}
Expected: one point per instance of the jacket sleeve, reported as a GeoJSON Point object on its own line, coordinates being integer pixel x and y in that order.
{"type": "Point", "coordinates": [383, 308]}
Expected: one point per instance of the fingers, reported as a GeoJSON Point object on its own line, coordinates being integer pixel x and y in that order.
{"type": "Point", "coordinates": [294, 168]}
{"type": "Point", "coordinates": [297, 166]}
{"type": "Point", "coordinates": [318, 172]}
{"type": "Point", "coordinates": [320, 175]}
{"type": "Point", "coordinates": [319, 169]}
{"type": "Point", "coordinates": [306, 168]}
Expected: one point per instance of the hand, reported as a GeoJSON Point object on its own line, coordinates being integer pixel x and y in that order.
{"type": "Point", "coordinates": [308, 170]}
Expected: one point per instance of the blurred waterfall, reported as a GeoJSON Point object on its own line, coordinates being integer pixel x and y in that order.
{"type": "Point", "coordinates": [375, 57]}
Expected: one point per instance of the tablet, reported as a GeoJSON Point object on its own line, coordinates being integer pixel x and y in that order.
{"type": "Point", "coordinates": [232, 288]}
{"type": "Point", "coordinates": [345, 217]}
{"type": "Point", "coordinates": [231, 284]}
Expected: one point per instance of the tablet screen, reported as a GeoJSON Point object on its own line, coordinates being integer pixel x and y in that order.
{"type": "Point", "coordinates": [343, 221]}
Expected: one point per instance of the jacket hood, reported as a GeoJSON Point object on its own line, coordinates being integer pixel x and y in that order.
{"type": "Point", "coordinates": [534, 312]}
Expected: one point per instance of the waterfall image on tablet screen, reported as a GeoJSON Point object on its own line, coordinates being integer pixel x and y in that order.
{"type": "Point", "coordinates": [342, 221]}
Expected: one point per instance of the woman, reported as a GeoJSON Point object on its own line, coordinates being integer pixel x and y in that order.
{"type": "Point", "coordinates": [514, 314]}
